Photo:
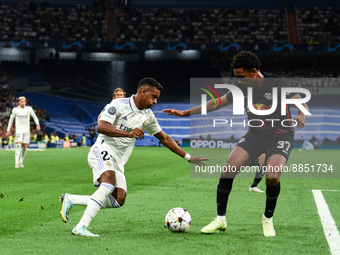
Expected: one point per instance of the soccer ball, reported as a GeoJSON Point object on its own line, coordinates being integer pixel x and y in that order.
{"type": "Point", "coordinates": [178, 220]}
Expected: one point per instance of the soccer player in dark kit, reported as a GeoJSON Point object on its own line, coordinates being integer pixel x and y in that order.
{"type": "Point", "coordinates": [270, 132]}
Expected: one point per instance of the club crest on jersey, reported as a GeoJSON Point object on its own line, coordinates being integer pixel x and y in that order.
{"type": "Point", "coordinates": [108, 163]}
{"type": "Point", "coordinates": [111, 110]}
{"type": "Point", "coordinates": [268, 96]}
{"type": "Point", "coordinates": [144, 123]}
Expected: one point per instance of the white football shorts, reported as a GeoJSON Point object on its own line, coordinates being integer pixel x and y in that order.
{"type": "Point", "coordinates": [100, 160]}
{"type": "Point", "coordinates": [22, 138]}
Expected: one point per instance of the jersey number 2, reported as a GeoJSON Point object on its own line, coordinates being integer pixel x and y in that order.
{"type": "Point", "coordinates": [106, 155]}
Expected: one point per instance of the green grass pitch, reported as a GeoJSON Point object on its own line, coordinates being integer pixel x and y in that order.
{"type": "Point", "coordinates": [157, 181]}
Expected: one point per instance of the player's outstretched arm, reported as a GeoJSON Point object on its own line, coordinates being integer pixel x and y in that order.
{"type": "Point", "coordinates": [170, 143]}
{"type": "Point", "coordinates": [301, 117]}
{"type": "Point", "coordinates": [211, 106]}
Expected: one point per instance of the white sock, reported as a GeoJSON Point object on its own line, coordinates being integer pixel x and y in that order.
{"type": "Point", "coordinates": [110, 202]}
{"type": "Point", "coordinates": [96, 201]}
{"type": "Point", "coordinates": [79, 199]}
{"type": "Point", "coordinates": [17, 153]}
{"type": "Point", "coordinates": [222, 218]}
{"type": "Point", "coordinates": [23, 154]}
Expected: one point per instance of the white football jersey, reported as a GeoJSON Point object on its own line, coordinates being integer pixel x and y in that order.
{"type": "Point", "coordinates": [22, 119]}
{"type": "Point", "coordinates": [123, 114]}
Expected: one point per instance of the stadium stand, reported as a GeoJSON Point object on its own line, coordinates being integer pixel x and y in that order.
{"type": "Point", "coordinates": [35, 20]}
{"type": "Point", "coordinates": [202, 25]}
{"type": "Point", "coordinates": [23, 71]}
{"type": "Point", "coordinates": [318, 24]}
{"type": "Point", "coordinates": [32, 20]}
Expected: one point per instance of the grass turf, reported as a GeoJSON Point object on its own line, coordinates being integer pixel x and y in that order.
{"type": "Point", "coordinates": [157, 181]}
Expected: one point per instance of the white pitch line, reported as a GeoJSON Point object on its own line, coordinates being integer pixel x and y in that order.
{"type": "Point", "coordinates": [328, 223]}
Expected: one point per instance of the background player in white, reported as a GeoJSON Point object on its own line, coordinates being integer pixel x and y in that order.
{"type": "Point", "coordinates": [21, 114]}
{"type": "Point", "coordinates": [123, 121]}
{"type": "Point", "coordinates": [119, 93]}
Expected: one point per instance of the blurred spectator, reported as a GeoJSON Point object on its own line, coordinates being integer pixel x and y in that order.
{"type": "Point", "coordinates": [34, 137]}
{"type": "Point", "coordinates": [42, 115]}
{"type": "Point", "coordinates": [10, 141]}
{"type": "Point", "coordinates": [178, 143]}
{"type": "Point", "coordinates": [74, 136]}
{"type": "Point", "coordinates": [232, 138]}
{"type": "Point", "coordinates": [82, 141]}
{"type": "Point", "coordinates": [92, 133]}
{"type": "Point", "coordinates": [39, 136]}
{"type": "Point", "coordinates": [46, 138]}
{"type": "Point", "coordinates": [313, 139]}
{"type": "Point", "coordinates": [52, 138]}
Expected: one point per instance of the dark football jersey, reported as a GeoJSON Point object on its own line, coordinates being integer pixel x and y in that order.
{"type": "Point", "coordinates": [273, 124]}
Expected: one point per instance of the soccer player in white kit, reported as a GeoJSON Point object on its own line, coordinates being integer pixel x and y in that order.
{"type": "Point", "coordinates": [22, 115]}
{"type": "Point", "coordinates": [122, 122]}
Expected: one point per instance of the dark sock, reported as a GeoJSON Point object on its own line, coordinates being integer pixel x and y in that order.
{"type": "Point", "coordinates": [272, 195]}
{"type": "Point", "coordinates": [258, 177]}
{"type": "Point", "coordinates": [223, 191]}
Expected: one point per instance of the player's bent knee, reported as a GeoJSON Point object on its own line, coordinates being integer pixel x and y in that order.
{"type": "Point", "coordinates": [272, 181]}
{"type": "Point", "coordinates": [120, 195]}
{"type": "Point", "coordinates": [121, 201]}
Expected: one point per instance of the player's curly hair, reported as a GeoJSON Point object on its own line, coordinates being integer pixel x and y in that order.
{"type": "Point", "coordinates": [151, 82]}
{"type": "Point", "coordinates": [246, 60]}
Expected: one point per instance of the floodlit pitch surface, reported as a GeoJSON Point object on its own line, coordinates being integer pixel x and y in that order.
{"type": "Point", "coordinates": [157, 181]}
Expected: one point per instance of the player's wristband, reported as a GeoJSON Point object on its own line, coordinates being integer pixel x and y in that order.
{"type": "Point", "coordinates": [187, 157]}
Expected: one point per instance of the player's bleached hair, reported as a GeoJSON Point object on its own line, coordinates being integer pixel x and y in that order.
{"type": "Point", "coordinates": [246, 60]}
{"type": "Point", "coordinates": [151, 82]}
{"type": "Point", "coordinates": [118, 89]}
{"type": "Point", "coordinates": [22, 97]}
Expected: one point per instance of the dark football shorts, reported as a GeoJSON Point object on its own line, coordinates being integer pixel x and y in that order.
{"type": "Point", "coordinates": [255, 145]}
